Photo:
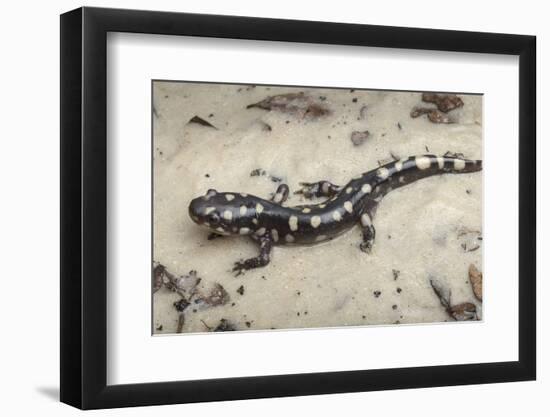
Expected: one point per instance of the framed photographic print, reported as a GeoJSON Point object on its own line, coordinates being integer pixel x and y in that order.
{"type": "Point", "coordinates": [258, 207]}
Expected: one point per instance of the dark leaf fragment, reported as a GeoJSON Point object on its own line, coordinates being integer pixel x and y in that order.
{"type": "Point", "coordinates": [257, 172]}
{"type": "Point", "coordinates": [395, 273]}
{"type": "Point", "coordinates": [266, 127]}
{"type": "Point", "coordinates": [201, 121]}
{"type": "Point", "coordinates": [212, 236]}
{"type": "Point", "coordinates": [181, 304]}
{"type": "Point", "coordinates": [224, 326]}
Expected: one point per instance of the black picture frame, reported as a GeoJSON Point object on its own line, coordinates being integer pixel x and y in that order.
{"type": "Point", "coordinates": [84, 207]}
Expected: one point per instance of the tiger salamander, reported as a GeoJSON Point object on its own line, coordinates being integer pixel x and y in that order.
{"type": "Point", "coordinates": [270, 223]}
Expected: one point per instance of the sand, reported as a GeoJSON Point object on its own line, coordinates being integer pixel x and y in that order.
{"type": "Point", "coordinates": [332, 284]}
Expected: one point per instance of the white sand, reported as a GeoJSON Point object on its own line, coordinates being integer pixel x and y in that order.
{"type": "Point", "coordinates": [331, 284]}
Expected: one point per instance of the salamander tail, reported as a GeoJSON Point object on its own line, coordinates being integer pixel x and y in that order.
{"type": "Point", "coordinates": [473, 165]}
{"type": "Point", "coordinates": [406, 171]}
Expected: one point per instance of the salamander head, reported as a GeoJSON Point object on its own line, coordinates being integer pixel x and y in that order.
{"type": "Point", "coordinates": [222, 213]}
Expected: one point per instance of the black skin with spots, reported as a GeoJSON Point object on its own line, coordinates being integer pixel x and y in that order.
{"type": "Point", "coordinates": [270, 223]}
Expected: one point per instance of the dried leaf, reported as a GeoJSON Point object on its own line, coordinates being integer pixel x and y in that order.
{"type": "Point", "coordinates": [216, 297]}
{"type": "Point", "coordinates": [419, 111]}
{"type": "Point", "coordinates": [444, 102]}
{"type": "Point", "coordinates": [158, 276]}
{"type": "Point", "coordinates": [476, 279]}
{"type": "Point", "coordinates": [463, 312]}
{"type": "Point", "coordinates": [298, 104]}
{"type": "Point", "coordinates": [459, 312]}
{"type": "Point", "coordinates": [434, 115]}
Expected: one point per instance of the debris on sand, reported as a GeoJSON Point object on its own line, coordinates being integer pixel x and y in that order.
{"type": "Point", "coordinates": [212, 236]}
{"type": "Point", "coordinates": [181, 304]}
{"type": "Point", "coordinates": [358, 138]}
{"type": "Point", "coordinates": [459, 312]}
{"type": "Point", "coordinates": [158, 274]}
{"type": "Point", "coordinates": [217, 296]}
{"type": "Point", "coordinates": [224, 326]}
{"type": "Point", "coordinates": [444, 102]}
{"type": "Point", "coordinates": [434, 115]}
{"type": "Point", "coordinates": [297, 104]}
{"type": "Point", "coordinates": [450, 154]}
{"type": "Point", "coordinates": [463, 312]}
{"type": "Point", "coordinates": [180, 307]}
{"type": "Point", "coordinates": [200, 121]}
{"type": "Point", "coordinates": [363, 112]}
{"type": "Point", "coordinates": [470, 240]}
{"type": "Point", "coordinates": [259, 172]}
{"type": "Point", "coordinates": [476, 279]}
{"type": "Point", "coordinates": [186, 286]}
{"type": "Point", "coordinates": [266, 127]}
{"type": "Point", "coordinates": [181, 322]}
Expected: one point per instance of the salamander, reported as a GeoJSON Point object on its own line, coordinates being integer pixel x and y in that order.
{"type": "Point", "coordinates": [270, 223]}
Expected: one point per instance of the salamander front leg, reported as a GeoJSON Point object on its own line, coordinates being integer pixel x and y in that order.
{"type": "Point", "coordinates": [369, 233]}
{"type": "Point", "coordinates": [281, 194]}
{"type": "Point", "coordinates": [261, 260]}
{"type": "Point", "coordinates": [318, 189]}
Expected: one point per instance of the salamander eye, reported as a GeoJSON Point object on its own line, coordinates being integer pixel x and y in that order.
{"type": "Point", "coordinates": [213, 218]}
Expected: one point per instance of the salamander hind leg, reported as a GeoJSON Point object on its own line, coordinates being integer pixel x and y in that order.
{"type": "Point", "coordinates": [369, 233]}
{"type": "Point", "coordinates": [261, 260]}
{"type": "Point", "coordinates": [281, 194]}
{"type": "Point", "coordinates": [318, 189]}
